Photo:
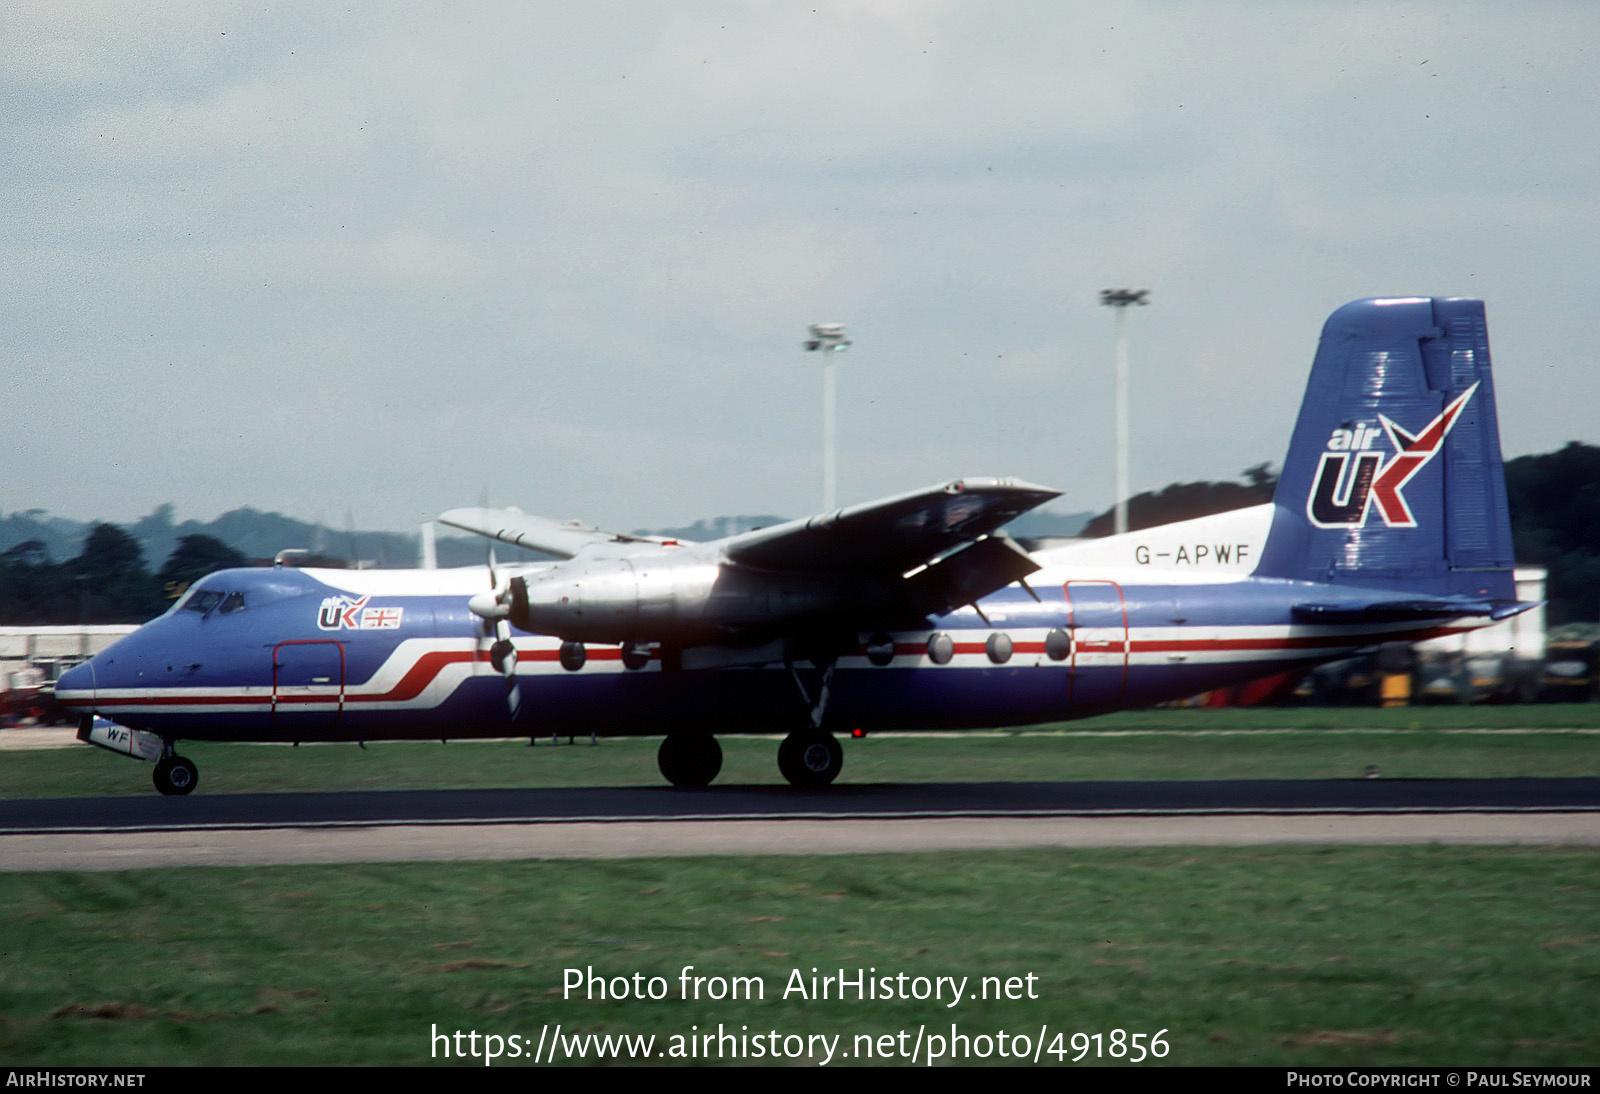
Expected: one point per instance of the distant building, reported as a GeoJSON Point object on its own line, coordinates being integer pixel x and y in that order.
{"type": "Point", "coordinates": [53, 650]}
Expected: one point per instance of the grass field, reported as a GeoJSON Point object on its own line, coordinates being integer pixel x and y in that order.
{"type": "Point", "coordinates": [1334, 956]}
{"type": "Point", "coordinates": [1244, 956]}
{"type": "Point", "coordinates": [1426, 742]}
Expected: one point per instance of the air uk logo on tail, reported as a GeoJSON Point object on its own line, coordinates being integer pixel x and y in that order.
{"type": "Point", "coordinates": [1351, 480]}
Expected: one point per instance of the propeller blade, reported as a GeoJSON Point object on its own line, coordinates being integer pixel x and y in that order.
{"type": "Point", "coordinates": [492, 606]}
{"type": "Point", "coordinates": [503, 655]}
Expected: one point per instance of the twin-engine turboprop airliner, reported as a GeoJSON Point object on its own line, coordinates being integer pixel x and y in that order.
{"type": "Point", "coordinates": [913, 612]}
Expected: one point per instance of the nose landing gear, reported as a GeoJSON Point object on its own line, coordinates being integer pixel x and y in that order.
{"type": "Point", "coordinates": [175, 774]}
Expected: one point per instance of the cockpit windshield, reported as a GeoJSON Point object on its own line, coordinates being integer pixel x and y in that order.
{"type": "Point", "coordinates": [228, 593]}
{"type": "Point", "coordinates": [203, 601]}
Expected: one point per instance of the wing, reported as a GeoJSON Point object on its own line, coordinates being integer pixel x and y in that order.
{"type": "Point", "coordinates": [892, 536]}
{"type": "Point", "coordinates": [562, 538]}
{"type": "Point", "coordinates": [867, 566]}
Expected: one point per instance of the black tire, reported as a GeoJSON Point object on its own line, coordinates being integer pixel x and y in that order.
{"type": "Point", "coordinates": [689, 759]}
{"type": "Point", "coordinates": [810, 759]}
{"type": "Point", "coordinates": [176, 775]}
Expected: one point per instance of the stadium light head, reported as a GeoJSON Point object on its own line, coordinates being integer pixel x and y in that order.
{"type": "Point", "coordinates": [829, 337]}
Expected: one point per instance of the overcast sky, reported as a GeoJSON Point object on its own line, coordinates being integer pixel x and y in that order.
{"type": "Point", "coordinates": [395, 258]}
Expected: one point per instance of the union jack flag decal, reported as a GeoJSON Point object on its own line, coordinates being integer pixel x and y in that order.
{"type": "Point", "coordinates": [341, 613]}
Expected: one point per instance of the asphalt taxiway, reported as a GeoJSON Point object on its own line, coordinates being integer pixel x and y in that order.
{"type": "Point", "coordinates": [241, 829]}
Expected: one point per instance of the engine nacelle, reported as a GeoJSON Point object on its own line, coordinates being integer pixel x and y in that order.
{"type": "Point", "coordinates": [678, 600]}
{"type": "Point", "coordinates": [613, 599]}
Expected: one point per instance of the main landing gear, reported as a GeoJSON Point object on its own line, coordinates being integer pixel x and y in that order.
{"type": "Point", "coordinates": [810, 758]}
{"type": "Point", "coordinates": [807, 758]}
{"type": "Point", "coordinates": [690, 759]}
{"type": "Point", "coordinates": [175, 774]}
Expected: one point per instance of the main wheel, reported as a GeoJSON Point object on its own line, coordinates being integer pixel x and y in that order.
{"type": "Point", "coordinates": [690, 759]}
{"type": "Point", "coordinates": [810, 759]}
{"type": "Point", "coordinates": [176, 775]}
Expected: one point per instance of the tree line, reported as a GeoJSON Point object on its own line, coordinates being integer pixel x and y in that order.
{"type": "Point", "coordinates": [1555, 523]}
{"type": "Point", "coordinates": [106, 583]}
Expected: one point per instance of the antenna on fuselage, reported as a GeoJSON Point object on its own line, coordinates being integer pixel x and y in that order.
{"type": "Point", "coordinates": [283, 556]}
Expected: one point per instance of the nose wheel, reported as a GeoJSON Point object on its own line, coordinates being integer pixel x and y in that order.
{"type": "Point", "coordinates": [176, 775]}
{"type": "Point", "coordinates": [810, 758]}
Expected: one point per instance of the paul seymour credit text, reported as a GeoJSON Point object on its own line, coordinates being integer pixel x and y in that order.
{"type": "Point", "coordinates": [740, 1039]}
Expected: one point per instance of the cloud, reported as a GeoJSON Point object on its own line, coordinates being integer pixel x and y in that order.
{"type": "Point", "coordinates": [299, 256]}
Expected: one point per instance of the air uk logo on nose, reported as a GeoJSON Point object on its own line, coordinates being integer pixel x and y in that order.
{"type": "Point", "coordinates": [1353, 479]}
{"type": "Point", "coordinates": [342, 613]}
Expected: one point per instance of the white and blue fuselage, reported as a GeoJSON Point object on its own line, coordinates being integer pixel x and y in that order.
{"type": "Point", "coordinates": [404, 657]}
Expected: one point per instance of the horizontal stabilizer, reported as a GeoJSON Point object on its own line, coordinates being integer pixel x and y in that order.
{"type": "Point", "coordinates": [1401, 611]}
{"type": "Point", "coordinates": [1506, 611]}
{"type": "Point", "coordinates": [893, 535]}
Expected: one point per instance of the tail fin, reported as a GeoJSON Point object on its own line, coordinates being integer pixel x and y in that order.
{"type": "Point", "coordinates": [1393, 478]}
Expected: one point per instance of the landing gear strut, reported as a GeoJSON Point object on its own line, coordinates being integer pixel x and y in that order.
{"type": "Point", "coordinates": [810, 758]}
{"type": "Point", "coordinates": [174, 774]}
{"type": "Point", "coordinates": [690, 759]}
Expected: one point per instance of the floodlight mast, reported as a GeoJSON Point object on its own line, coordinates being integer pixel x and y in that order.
{"type": "Point", "coordinates": [829, 339]}
{"type": "Point", "coordinates": [1119, 299]}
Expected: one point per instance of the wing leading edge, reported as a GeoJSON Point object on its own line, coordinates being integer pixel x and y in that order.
{"type": "Point", "coordinates": [894, 535]}
{"type": "Point", "coordinates": [562, 538]}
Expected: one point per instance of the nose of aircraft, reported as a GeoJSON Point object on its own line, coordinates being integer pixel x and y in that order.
{"type": "Point", "coordinates": [77, 683]}
{"type": "Point", "coordinates": [123, 664]}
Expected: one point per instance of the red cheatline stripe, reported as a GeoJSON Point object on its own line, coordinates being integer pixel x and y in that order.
{"type": "Point", "coordinates": [593, 653]}
{"type": "Point", "coordinates": [412, 684]}
{"type": "Point", "coordinates": [103, 701]}
{"type": "Point", "coordinates": [916, 649]}
{"type": "Point", "coordinates": [429, 665]}
{"type": "Point", "coordinates": [420, 676]}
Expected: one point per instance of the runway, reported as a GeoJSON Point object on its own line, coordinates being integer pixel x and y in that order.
{"type": "Point", "coordinates": [257, 829]}
{"type": "Point", "coordinates": [882, 801]}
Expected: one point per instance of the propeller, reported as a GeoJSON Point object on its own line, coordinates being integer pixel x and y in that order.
{"type": "Point", "coordinates": [494, 607]}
